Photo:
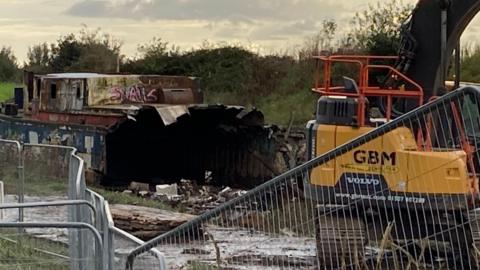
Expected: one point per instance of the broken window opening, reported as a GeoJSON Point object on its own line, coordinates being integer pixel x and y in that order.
{"type": "Point", "coordinates": [79, 92]}
{"type": "Point", "coordinates": [53, 90]}
{"type": "Point", "coordinates": [39, 86]}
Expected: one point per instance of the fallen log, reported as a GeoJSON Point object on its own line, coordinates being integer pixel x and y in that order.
{"type": "Point", "coordinates": [144, 222]}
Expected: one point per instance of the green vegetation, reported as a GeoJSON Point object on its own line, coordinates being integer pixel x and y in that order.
{"type": "Point", "coordinates": [24, 252]}
{"type": "Point", "coordinates": [45, 186]}
{"type": "Point", "coordinates": [194, 265]}
{"type": "Point", "coordinates": [376, 30]}
{"type": "Point", "coordinates": [9, 70]}
{"type": "Point", "coordinates": [87, 51]}
{"type": "Point", "coordinates": [38, 186]}
{"type": "Point", "coordinates": [38, 181]}
{"type": "Point", "coordinates": [114, 197]}
{"type": "Point", "coordinates": [6, 90]}
{"type": "Point", "coordinates": [297, 107]}
{"type": "Point", "coordinates": [470, 64]}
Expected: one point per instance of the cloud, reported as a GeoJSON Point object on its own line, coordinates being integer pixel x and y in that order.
{"type": "Point", "coordinates": [251, 20]}
{"type": "Point", "coordinates": [212, 10]}
{"type": "Point", "coordinates": [285, 30]}
{"type": "Point", "coordinates": [93, 8]}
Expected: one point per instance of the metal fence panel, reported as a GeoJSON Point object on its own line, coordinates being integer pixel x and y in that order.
{"type": "Point", "coordinates": [101, 222]}
{"type": "Point", "coordinates": [402, 196]}
{"type": "Point", "coordinates": [47, 183]}
{"type": "Point", "coordinates": [124, 243]}
{"type": "Point", "coordinates": [47, 170]}
{"type": "Point", "coordinates": [11, 173]}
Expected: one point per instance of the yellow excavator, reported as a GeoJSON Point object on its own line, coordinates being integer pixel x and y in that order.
{"type": "Point", "coordinates": [416, 183]}
{"type": "Point", "coordinates": [417, 180]}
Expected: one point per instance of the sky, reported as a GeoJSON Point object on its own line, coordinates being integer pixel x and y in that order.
{"type": "Point", "coordinates": [262, 25]}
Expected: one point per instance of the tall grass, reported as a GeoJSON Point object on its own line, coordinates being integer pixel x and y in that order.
{"type": "Point", "coordinates": [297, 108]}
{"type": "Point", "coordinates": [24, 252]}
{"type": "Point", "coordinates": [114, 197]}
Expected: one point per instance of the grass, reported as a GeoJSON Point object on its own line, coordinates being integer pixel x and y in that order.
{"type": "Point", "coordinates": [281, 220]}
{"type": "Point", "coordinates": [281, 109]}
{"type": "Point", "coordinates": [45, 186]}
{"type": "Point", "coordinates": [23, 252]}
{"type": "Point", "coordinates": [40, 185]}
{"type": "Point", "coordinates": [278, 108]}
{"type": "Point", "coordinates": [6, 90]}
{"type": "Point", "coordinates": [36, 186]}
{"type": "Point", "coordinates": [201, 266]}
{"type": "Point", "coordinates": [289, 99]}
{"type": "Point", "coordinates": [114, 197]}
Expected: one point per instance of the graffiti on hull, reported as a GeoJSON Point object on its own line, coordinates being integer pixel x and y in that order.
{"type": "Point", "coordinates": [123, 90]}
{"type": "Point", "coordinates": [134, 89]}
{"type": "Point", "coordinates": [133, 94]}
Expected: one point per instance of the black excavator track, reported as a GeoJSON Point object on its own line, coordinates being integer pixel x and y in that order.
{"type": "Point", "coordinates": [356, 239]}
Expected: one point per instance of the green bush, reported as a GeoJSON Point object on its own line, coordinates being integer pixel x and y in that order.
{"type": "Point", "coordinates": [6, 90]}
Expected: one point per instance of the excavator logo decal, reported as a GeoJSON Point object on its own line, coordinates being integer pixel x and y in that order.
{"type": "Point", "coordinates": [362, 180]}
{"type": "Point", "coordinates": [375, 158]}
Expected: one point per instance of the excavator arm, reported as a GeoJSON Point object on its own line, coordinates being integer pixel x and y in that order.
{"type": "Point", "coordinates": [421, 51]}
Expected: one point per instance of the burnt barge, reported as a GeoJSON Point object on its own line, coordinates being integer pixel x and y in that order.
{"type": "Point", "coordinates": [152, 129]}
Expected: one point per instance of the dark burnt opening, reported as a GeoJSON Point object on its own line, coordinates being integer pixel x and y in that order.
{"type": "Point", "coordinates": [232, 145]}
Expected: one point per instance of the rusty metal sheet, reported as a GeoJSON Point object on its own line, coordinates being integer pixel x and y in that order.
{"type": "Point", "coordinates": [89, 140]}
{"type": "Point", "coordinates": [170, 114]}
{"type": "Point", "coordinates": [129, 108]}
{"type": "Point", "coordinates": [100, 120]}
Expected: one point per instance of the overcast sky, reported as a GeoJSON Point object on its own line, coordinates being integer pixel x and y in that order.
{"type": "Point", "coordinates": [269, 25]}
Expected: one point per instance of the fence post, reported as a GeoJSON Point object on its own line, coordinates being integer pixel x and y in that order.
{"type": "Point", "coordinates": [75, 236]}
{"type": "Point", "coordinates": [2, 198]}
{"type": "Point", "coordinates": [21, 180]}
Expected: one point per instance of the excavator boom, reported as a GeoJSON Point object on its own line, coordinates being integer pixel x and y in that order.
{"type": "Point", "coordinates": [423, 37]}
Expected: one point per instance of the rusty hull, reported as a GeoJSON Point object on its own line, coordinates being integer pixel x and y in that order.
{"type": "Point", "coordinates": [159, 144]}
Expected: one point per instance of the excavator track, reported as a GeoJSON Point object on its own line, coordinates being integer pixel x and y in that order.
{"type": "Point", "coordinates": [340, 240]}
{"type": "Point", "coordinates": [474, 223]}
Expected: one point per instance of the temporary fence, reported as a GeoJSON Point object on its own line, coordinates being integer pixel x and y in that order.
{"type": "Point", "coordinates": [11, 171]}
{"type": "Point", "coordinates": [27, 249]}
{"type": "Point", "coordinates": [52, 220]}
{"type": "Point", "coordinates": [149, 260]}
{"type": "Point", "coordinates": [402, 196]}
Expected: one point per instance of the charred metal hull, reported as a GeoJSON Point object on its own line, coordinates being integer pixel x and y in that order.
{"type": "Point", "coordinates": [160, 144]}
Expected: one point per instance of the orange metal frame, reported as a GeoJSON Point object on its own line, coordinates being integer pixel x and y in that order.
{"type": "Point", "coordinates": [364, 89]}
